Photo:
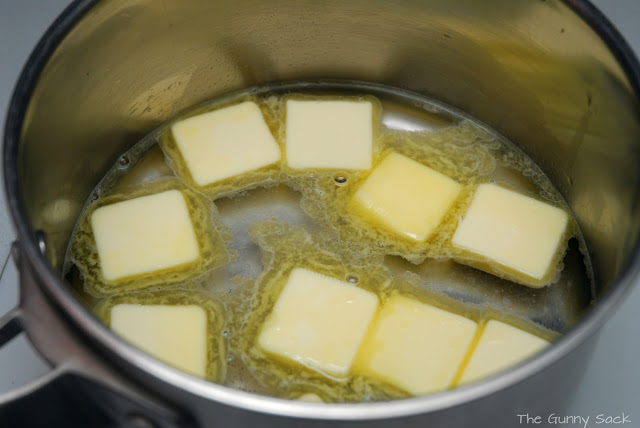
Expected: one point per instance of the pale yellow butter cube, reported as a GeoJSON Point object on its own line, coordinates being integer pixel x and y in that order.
{"type": "Point", "coordinates": [318, 321]}
{"type": "Point", "coordinates": [407, 197]}
{"type": "Point", "coordinates": [176, 335]}
{"type": "Point", "coordinates": [226, 142]}
{"type": "Point", "coordinates": [512, 230]}
{"type": "Point", "coordinates": [501, 346]}
{"type": "Point", "coordinates": [335, 134]}
{"type": "Point", "coordinates": [144, 235]}
{"type": "Point", "coordinates": [415, 346]}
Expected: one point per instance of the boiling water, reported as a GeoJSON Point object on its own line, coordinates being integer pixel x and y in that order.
{"type": "Point", "coordinates": [296, 218]}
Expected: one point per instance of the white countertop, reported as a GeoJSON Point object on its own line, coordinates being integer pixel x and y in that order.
{"type": "Point", "coordinates": [611, 385]}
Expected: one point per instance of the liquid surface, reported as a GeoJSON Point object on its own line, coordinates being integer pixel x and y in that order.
{"type": "Point", "coordinates": [276, 219]}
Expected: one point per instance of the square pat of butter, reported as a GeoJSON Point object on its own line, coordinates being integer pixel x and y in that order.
{"type": "Point", "coordinates": [336, 134]}
{"type": "Point", "coordinates": [176, 335]}
{"type": "Point", "coordinates": [407, 197]}
{"type": "Point", "coordinates": [144, 235]}
{"type": "Point", "coordinates": [512, 230]}
{"type": "Point", "coordinates": [318, 321]}
{"type": "Point", "coordinates": [500, 347]}
{"type": "Point", "coordinates": [226, 142]}
{"type": "Point", "coordinates": [415, 346]}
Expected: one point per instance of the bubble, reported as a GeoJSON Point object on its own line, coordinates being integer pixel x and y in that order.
{"type": "Point", "coordinates": [340, 178]}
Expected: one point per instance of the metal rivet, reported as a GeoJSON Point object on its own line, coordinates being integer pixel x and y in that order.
{"type": "Point", "coordinates": [123, 161]}
{"type": "Point", "coordinates": [352, 279]}
{"type": "Point", "coordinates": [15, 252]}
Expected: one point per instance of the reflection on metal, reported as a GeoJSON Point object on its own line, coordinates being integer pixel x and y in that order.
{"type": "Point", "coordinates": [40, 238]}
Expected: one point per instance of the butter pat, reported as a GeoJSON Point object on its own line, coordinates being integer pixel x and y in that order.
{"type": "Point", "coordinates": [512, 230]}
{"type": "Point", "coordinates": [415, 346]}
{"type": "Point", "coordinates": [226, 142]}
{"type": "Point", "coordinates": [144, 235]}
{"type": "Point", "coordinates": [501, 346]}
{"type": "Point", "coordinates": [318, 321]}
{"type": "Point", "coordinates": [175, 335]}
{"type": "Point", "coordinates": [407, 197]}
{"type": "Point", "coordinates": [334, 134]}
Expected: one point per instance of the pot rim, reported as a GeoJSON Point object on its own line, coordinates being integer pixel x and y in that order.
{"type": "Point", "coordinates": [129, 357]}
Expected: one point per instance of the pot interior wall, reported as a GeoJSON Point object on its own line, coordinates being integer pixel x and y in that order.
{"type": "Point", "coordinates": [534, 71]}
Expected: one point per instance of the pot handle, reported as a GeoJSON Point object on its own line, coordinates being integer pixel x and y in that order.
{"type": "Point", "coordinates": [80, 389]}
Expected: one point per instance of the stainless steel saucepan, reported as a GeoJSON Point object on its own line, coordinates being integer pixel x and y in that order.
{"type": "Point", "coordinates": [552, 76]}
